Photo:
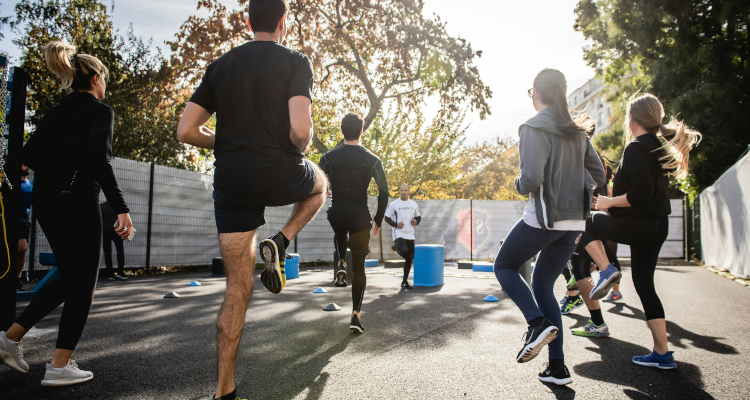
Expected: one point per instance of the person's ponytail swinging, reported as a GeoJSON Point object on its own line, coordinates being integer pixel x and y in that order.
{"type": "Point", "coordinates": [647, 111]}
{"type": "Point", "coordinates": [74, 70]}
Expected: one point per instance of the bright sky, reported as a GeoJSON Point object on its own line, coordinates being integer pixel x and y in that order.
{"type": "Point", "coordinates": [518, 39]}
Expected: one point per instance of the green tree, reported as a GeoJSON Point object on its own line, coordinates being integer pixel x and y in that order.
{"type": "Point", "coordinates": [424, 155]}
{"type": "Point", "coordinates": [138, 89]}
{"type": "Point", "coordinates": [693, 54]}
{"type": "Point", "coordinates": [488, 171]}
{"type": "Point", "coordinates": [363, 52]}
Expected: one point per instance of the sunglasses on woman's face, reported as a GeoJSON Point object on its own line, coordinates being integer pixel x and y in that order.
{"type": "Point", "coordinates": [530, 92]}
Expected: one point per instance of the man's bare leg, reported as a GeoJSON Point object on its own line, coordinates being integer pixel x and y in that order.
{"type": "Point", "coordinates": [305, 210]}
{"type": "Point", "coordinates": [584, 286]}
{"type": "Point", "coordinates": [597, 253]}
{"type": "Point", "coordinates": [238, 254]}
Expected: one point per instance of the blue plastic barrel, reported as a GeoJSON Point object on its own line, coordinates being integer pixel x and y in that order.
{"type": "Point", "coordinates": [429, 260]}
{"type": "Point", "coordinates": [291, 268]}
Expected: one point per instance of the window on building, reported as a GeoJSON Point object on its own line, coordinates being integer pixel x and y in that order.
{"type": "Point", "coordinates": [600, 120]}
{"type": "Point", "coordinates": [601, 102]}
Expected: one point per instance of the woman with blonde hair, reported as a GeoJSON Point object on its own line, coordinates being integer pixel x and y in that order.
{"type": "Point", "coordinates": [70, 153]}
{"type": "Point", "coordinates": [637, 214]}
{"type": "Point", "coordinates": [559, 169]}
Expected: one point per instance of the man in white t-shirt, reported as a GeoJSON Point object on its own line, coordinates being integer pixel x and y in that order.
{"type": "Point", "coordinates": [403, 216]}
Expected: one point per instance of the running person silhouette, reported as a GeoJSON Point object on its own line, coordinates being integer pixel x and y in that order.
{"type": "Point", "coordinates": [261, 93]}
{"type": "Point", "coordinates": [350, 168]}
{"type": "Point", "coordinates": [403, 215]}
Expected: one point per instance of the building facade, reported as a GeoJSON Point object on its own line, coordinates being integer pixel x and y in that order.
{"type": "Point", "coordinates": [590, 99]}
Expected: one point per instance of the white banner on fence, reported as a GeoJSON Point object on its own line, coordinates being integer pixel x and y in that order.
{"type": "Point", "coordinates": [725, 220]}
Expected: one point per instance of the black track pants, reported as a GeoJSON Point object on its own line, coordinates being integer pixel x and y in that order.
{"type": "Point", "coordinates": [405, 248]}
{"type": "Point", "coordinates": [352, 228]}
{"type": "Point", "coordinates": [581, 262]}
{"type": "Point", "coordinates": [110, 237]}
{"type": "Point", "coordinates": [73, 227]}
{"type": "Point", "coordinates": [645, 237]}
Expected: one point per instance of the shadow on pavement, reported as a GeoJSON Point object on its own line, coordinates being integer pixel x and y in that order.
{"type": "Point", "coordinates": [561, 392]}
{"type": "Point", "coordinates": [676, 335]}
{"type": "Point", "coordinates": [617, 367]}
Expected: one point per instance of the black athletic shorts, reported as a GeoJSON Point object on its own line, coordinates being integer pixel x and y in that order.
{"type": "Point", "coordinates": [243, 212]}
{"type": "Point", "coordinates": [24, 230]}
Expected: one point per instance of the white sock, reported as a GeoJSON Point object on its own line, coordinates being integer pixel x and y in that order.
{"type": "Point", "coordinates": [59, 369]}
{"type": "Point", "coordinates": [12, 341]}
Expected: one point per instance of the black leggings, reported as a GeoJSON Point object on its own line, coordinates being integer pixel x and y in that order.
{"type": "Point", "coordinates": [645, 237]}
{"type": "Point", "coordinates": [352, 228]}
{"type": "Point", "coordinates": [110, 237]}
{"type": "Point", "coordinates": [73, 227]}
{"type": "Point", "coordinates": [405, 248]}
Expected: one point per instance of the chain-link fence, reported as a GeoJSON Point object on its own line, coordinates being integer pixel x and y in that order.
{"type": "Point", "coordinates": [183, 230]}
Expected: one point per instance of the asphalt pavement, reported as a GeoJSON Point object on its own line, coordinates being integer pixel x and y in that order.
{"type": "Point", "coordinates": [426, 343]}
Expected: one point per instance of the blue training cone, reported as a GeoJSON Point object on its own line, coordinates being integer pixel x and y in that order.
{"type": "Point", "coordinates": [491, 298]}
{"type": "Point", "coordinates": [194, 283]}
{"type": "Point", "coordinates": [320, 290]}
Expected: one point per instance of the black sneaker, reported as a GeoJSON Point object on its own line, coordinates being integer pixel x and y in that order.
{"type": "Point", "coordinates": [356, 325]}
{"type": "Point", "coordinates": [273, 253]}
{"type": "Point", "coordinates": [341, 275]}
{"type": "Point", "coordinates": [19, 286]}
{"type": "Point", "coordinates": [406, 285]}
{"type": "Point", "coordinates": [560, 376]}
{"type": "Point", "coordinates": [536, 338]}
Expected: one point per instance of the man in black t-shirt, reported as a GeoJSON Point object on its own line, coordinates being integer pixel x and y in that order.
{"type": "Point", "coordinates": [261, 93]}
{"type": "Point", "coordinates": [350, 169]}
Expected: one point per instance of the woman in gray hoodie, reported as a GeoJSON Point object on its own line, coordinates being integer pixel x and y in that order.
{"type": "Point", "coordinates": [559, 170]}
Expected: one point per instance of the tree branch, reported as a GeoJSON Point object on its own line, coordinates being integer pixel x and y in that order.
{"type": "Point", "coordinates": [403, 93]}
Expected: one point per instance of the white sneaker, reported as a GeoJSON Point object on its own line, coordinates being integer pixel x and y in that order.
{"type": "Point", "coordinates": [70, 375]}
{"type": "Point", "coordinates": [12, 354]}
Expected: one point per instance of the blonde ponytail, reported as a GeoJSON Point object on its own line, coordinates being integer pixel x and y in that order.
{"type": "Point", "coordinates": [647, 111]}
{"type": "Point", "coordinates": [680, 139]}
{"type": "Point", "coordinates": [74, 70]}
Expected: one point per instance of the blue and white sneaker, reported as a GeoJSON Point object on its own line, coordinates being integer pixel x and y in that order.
{"type": "Point", "coordinates": [607, 278]}
{"type": "Point", "coordinates": [656, 360]}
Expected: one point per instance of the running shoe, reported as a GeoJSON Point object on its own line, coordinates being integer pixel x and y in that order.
{"type": "Point", "coordinates": [571, 305]}
{"type": "Point", "coordinates": [341, 274]}
{"type": "Point", "coordinates": [406, 285]}
{"type": "Point", "coordinates": [273, 253]}
{"type": "Point", "coordinates": [230, 396]}
{"type": "Point", "coordinates": [564, 299]}
{"type": "Point", "coordinates": [656, 360]}
{"type": "Point", "coordinates": [12, 354]}
{"type": "Point", "coordinates": [356, 325]}
{"type": "Point", "coordinates": [535, 339]}
{"type": "Point", "coordinates": [70, 375]}
{"type": "Point", "coordinates": [111, 278]}
{"type": "Point", "coordinates": [591, 330]}
{"type": "Point", "coordinates": [560, 376]}
{"type": "Point", "coordinates": [613, 296]}
{"type": "Point", "coordinates": [572, 283]}
{"type": "Point", "coordinates": [607, 278]}
{"type": "Point", "coordinates": [121, 277]}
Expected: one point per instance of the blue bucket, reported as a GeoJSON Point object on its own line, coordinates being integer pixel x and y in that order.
{"type": "Point", "coordinates": [291, 269]}
{"type": "Point", "coordinates": [429, 262]}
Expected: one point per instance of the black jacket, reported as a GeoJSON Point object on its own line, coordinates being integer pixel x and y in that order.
{"type": "Point", "coordinates": [643, 180]}
{"type": "Point", "coordinates": [71, 151]}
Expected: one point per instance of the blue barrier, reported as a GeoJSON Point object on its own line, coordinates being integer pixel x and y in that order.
{"type": "Point", "coordinates": [483, 267]}
{"type": "Point", "coordinates": [372, 263]}
{"type": "Point", "coordinates": [291, 268]}
{"type": "Point", "coordinates": [429, 262]}
{"type": "Point", "coordinates": [46, 259]}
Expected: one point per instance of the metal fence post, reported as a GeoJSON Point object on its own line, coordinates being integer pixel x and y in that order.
{"type": "Point", "coordinates": [471, 225]}
{"type": "Point", "coordinates": [150, 212]}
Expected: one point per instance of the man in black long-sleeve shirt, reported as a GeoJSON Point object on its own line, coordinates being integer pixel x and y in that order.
{"type": "Point", "coordinates": [350, 168]}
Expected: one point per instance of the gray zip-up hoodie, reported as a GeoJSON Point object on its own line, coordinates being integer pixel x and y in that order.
{"type": "Point", "coordinates": [560, 173]}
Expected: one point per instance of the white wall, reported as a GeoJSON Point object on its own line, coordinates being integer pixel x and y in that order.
{"type": "Point", "coordinates": [725, 221]}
